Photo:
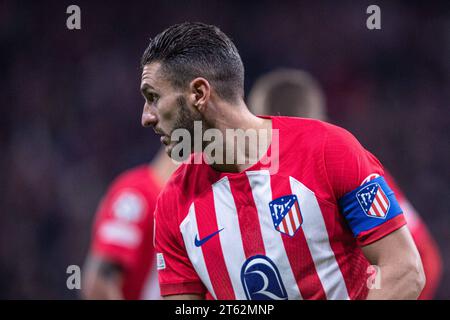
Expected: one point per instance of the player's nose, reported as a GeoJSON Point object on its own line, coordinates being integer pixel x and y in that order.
{"type": "Point", "coordinates": [148, 118]}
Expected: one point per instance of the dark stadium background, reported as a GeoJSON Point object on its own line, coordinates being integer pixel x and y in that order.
{"type": "Point", "coordinates": [71, 108]}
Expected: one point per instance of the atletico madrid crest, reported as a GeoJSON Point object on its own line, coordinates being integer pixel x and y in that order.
{"type": "Point", "coordinates": [286, 214]}
{"type": "Point", "coordinates": [373, 201]}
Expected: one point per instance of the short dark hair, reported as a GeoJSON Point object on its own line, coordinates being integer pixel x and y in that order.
{"type": "Point", "coordinates": [194, 49]}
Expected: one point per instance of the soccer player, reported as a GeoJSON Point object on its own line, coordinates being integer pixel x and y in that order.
{"type": "Point", "coordinates": [121, 263]}
{"type": "Point", "coordinates": [304, 221]}
{"type": "Point", "coordinates": [296, 93]}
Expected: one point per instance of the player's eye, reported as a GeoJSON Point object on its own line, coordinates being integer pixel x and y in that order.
{"type": "Point", "coordinates": [152, 97]}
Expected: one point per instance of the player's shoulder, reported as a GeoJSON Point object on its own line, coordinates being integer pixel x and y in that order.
{"type": "Point", "coordinates": [139, 177]}
{"type": "Point", "coordinates": [131, 196]}
{"type": "Point", "coordinates": [297, 125]}
{"type": "Point", "coordinates": [135, 185]}
{"type": "Point", "coordinates": [316, 130]}
{"type": "Point", "coordinates": [186, 174]}
{"type": "Point", "coordinates": [310, 132]}
{"type": "Point", "coordinates": [188, 181]}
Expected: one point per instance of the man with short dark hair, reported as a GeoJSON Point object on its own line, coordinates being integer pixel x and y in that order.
{"type": "Point", "coordinates": [306, 228]}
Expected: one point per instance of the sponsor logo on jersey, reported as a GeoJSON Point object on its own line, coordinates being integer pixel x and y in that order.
{"type": "Point", "coordinates": [160, 263]}
{"type": "Point", "coordinates": [286, 214]}
{"type": "Point", "coordinates": [200, 242]}
{"type": "Point", "coordinates": [261, 279]}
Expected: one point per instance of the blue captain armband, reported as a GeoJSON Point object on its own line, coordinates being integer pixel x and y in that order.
{"type": "Point", "coordinates": [369, 206]}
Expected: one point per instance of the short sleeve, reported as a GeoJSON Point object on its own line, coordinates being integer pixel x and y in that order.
{"type": "Point", "coordinates": [357, 183]}
{"type": "Point", "coordinates": [175, 271]}
{"type": "Point", "coordinates": [123, 221]}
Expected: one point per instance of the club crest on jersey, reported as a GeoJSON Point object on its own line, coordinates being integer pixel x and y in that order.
{"type": "Point", "coordinates": [286, 214]}
{"type": "Point", "coordinates": [373, 201]}
{"type": "Point", "coordinates": [262, 280]}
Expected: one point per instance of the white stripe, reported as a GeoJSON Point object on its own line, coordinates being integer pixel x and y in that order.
{"type": "Point", "coordinates": [385, 205]}
{"type": "Point", "coordinates": [316, 235]}
{"type": "Point", "coordinates": [189, 230]}
{"type": "Point", "coordinates": [287, 218]}
{"type": "Point", "coordinates": [296, 216]}
{"type": "Point", "coordinates": [273, 243]}
{"type": "Point", "coordinates": [372, 212]}
{"type": "Point", "coordinates": [377, 205]}
{"type": "Point", "coordinates": [230, 237]}
{"type": "Point", "coordinates": [281, 227]}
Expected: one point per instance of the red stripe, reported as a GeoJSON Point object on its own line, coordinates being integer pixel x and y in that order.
{"type": "Point", "coordinates": [378, 201]}
{"type": "Point", "coordinates": [291, 216]}
{"type": "Point", "coordinates": [285, 228]}
{"type": "Point", "coordinates": [248, 217]}
{"type": "Point", "coordinates": [212, 249]}
{"type": "Point", "coordinates": [297, 250]}
{"type": "Point", "coordinates": [385, 198]}
{"type": "Point", "coordinates": [379, 197]}
{"type": "Point", "coordinates": [382, 206]}
{"type": "Point", "coordinates": [374, 208]}
{"type": "Point", "coordinates": [298, 213]}
{"type": "Point", "coordinates": [348, 255]}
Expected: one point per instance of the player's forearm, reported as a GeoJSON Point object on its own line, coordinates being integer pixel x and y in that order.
{"type": "Point", "coordinates": [402, 281]}
{"type": "Point", "coordinates": [102, 280]}
{"type": "Point", "coordinates": [431, 260]}
{"type": "Point", "coordinates": [98, 288]}
{"type": "Point", "coordinates": [104, 291]}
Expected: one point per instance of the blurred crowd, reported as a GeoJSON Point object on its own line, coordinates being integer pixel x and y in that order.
{"type": "Point", "coordinates": [70, 107]}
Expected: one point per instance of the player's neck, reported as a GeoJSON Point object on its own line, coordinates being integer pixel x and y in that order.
{"type": "Point", "coordinates": [240, 156]}
{"type": "Point", "coordinates": [162, 167]}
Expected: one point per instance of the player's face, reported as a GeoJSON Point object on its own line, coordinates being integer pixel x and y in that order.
{"type": "Point", "coordinates": [166, 107]}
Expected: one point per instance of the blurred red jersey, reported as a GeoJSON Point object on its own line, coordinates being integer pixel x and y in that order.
{"type": "Point", "coordinates": [427, 247]}
{"type": "Point", "coordinates": [123, 231]}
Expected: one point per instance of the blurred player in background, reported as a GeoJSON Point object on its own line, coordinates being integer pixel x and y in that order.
{"type": "Point", "coordinates": [291, 92]}
{"type": "Point", "coordinates": [121, 262]}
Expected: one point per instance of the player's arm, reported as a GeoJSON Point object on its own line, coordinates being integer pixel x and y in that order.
{"type": "Point", "coordinates": [399, 266]}
{"type": "Point", "coordinates": [431, 260]}
{"type": "Point", "coordinates": [102, 279]}
{"type": "Point", "coordinates": [426, 245]}
{"type": "Point", "coordinates": [178, 279]}
{"type": "Point", "coordinates": [374, 216]}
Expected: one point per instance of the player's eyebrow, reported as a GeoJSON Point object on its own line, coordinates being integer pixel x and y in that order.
{"type": "Point", "coordinates": [146, 87]}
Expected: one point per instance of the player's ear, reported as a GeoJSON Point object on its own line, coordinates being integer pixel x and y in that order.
{"type": "Point", "coordinates": [200, 91]}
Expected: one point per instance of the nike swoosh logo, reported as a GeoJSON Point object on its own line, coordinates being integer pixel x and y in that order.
{"type": "Point", "coordinates": [199, 243]}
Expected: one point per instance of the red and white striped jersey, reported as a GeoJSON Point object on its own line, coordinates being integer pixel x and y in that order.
{"type": "Point", "coordinates": [262, 234]}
